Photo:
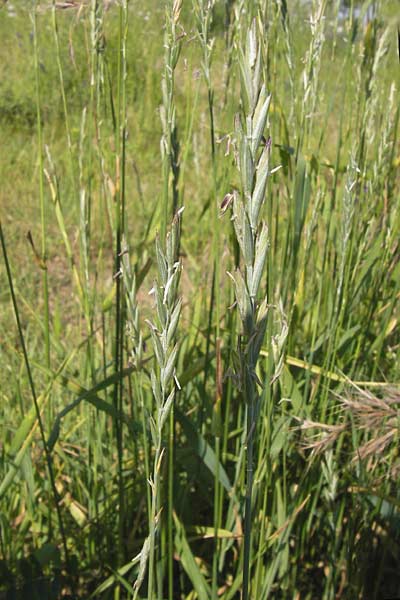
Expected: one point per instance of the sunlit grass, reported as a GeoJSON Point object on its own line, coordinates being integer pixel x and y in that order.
{"type": "Point", "coordinates": [166, 390]}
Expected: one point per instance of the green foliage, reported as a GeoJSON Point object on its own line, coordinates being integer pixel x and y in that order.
{"type": "Point", "coordinates": [276, 125]}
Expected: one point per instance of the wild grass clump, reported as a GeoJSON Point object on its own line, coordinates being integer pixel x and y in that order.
{"type": "Point", "coordinates": [199, 404]}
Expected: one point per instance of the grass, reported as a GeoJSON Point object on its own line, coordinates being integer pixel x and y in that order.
{"type": "Point", "coordinates": [214, 438]}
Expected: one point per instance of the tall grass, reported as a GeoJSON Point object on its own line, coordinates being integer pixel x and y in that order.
{"type": "Point", "coordinates": [43, 203]}
{"type": "Point", "coordinates": [193, 436]}
{"type": "Point", "coordinates": [252, 237]}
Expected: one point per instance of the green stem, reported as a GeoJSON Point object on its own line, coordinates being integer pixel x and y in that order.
{"type": "Point", "coordinates": [43, 206]}
{"type": "Point", "coordinates": [214, 594]}
{"type": "Point", "coordinates": [153, 528]}
{"type": "Point", "coordinates": [120, 225]}
{"type": "Point", "coordinates": [35, 402]}
{"type": "Point", "coordinates": [249, 492]}
{"type": "Point", "coordinates": [171, 444]}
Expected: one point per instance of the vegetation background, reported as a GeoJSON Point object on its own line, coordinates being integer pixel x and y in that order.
{"type": "Point", "coordinates": [167, 432]}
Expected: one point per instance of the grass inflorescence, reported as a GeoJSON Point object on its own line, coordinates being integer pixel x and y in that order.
{"type": "Point", "coordinates": [199, 404]}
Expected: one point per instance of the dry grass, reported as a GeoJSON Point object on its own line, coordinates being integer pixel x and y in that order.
{"type": "Point", "coordinates": [375, 420]}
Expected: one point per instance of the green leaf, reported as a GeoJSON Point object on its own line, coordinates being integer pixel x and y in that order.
{"type": "Point", "coordinates": [350, 334]}
{"type": "Point", "coordinates": [195, 369]}
{"type": "Point", "coordinates": [203, 450]}
{"type": "Point", "coordinates": [189, 563]}
{"type": "Point", "coordinates": [92, 397]}
{"type": "Point", "coordinates": [21, 442]}
{"type": "Point", "coordinates": [115, 577]}
{"type": "Point", "coordinates": [290, 390]}
{"type": "Point", "coordinates": [46, 554]}
{"type": "Point", "coordinates": [302, 191]}
{"type": "Point", "coordinates": [279, 436]}
{"type": "Point", "coordinates": [109, 299]}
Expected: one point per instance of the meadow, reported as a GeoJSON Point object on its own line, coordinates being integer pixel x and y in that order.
{"type": "Point", "coordinates": [199, 288]}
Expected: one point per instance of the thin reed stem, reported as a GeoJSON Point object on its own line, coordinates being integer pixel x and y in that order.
{"type": "Point", "coordinates": [120, 134]}
{"type": "Point", "coordinates": [204, 12]}
{"type": "Point", "coordinates": [47, 452]}
{"type": "Point", "coordinates": [42, 199]}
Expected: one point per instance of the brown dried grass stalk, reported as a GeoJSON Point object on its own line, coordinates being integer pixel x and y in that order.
{"type": "Point", "coordinates": [376, 418]}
